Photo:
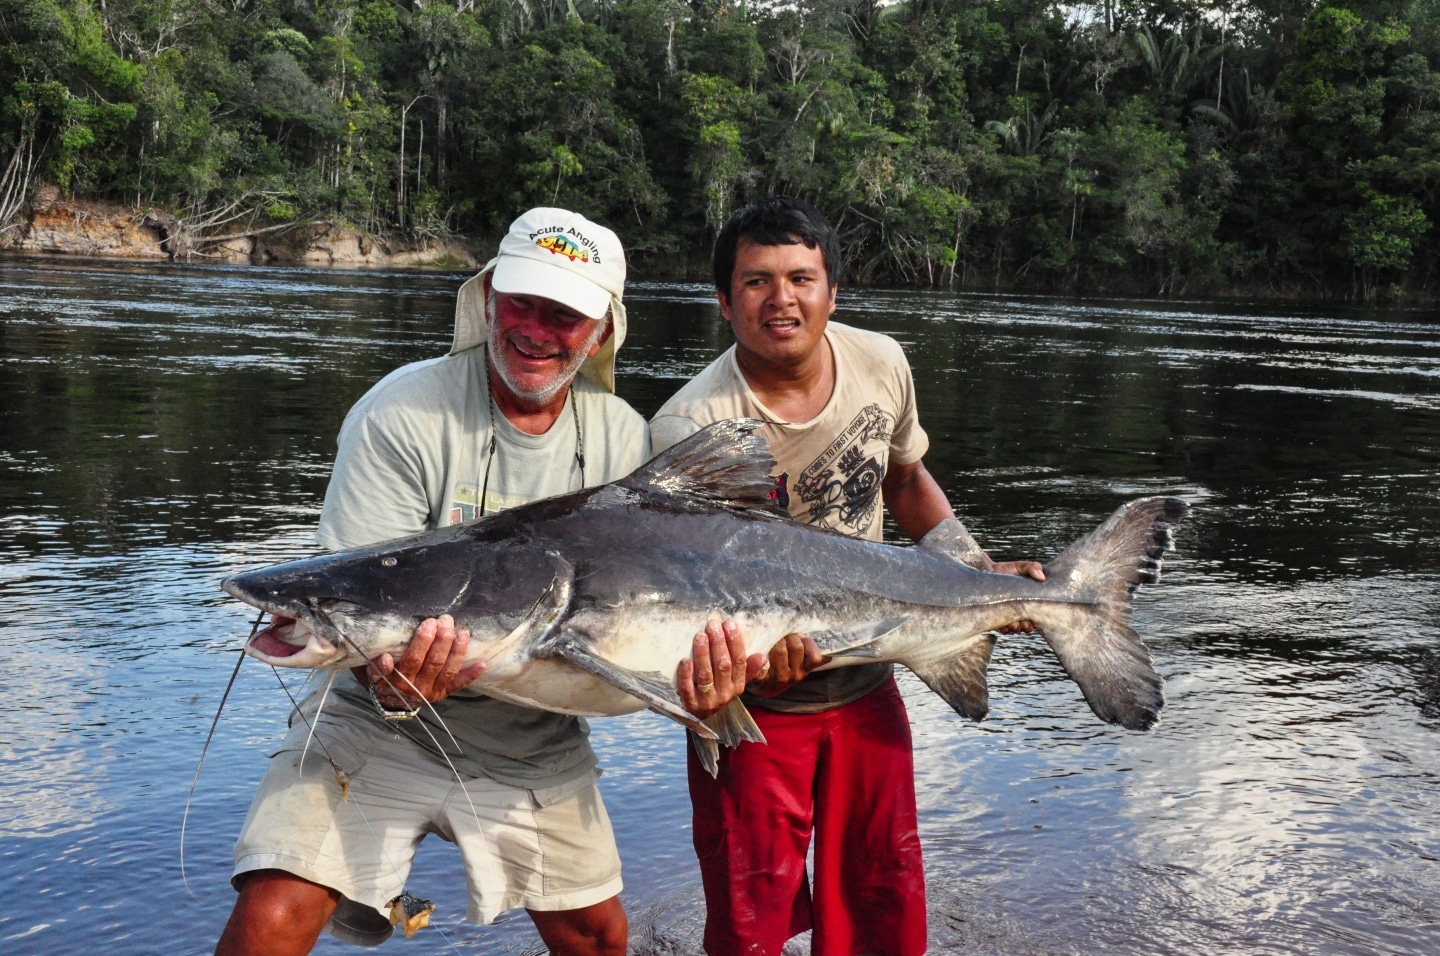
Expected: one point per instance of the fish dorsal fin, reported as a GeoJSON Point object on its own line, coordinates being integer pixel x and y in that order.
{"type": "Point", "coordinates": [725, 464]}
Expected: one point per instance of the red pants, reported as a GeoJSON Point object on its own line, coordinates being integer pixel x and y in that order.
{"type": "Point", "coordinates": [845, 774]}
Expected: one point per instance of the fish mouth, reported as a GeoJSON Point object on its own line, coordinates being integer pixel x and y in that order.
{"type": "Point", "coordinates": [297, 636]}
{"type": "Point", "coordinates": [292, 642]}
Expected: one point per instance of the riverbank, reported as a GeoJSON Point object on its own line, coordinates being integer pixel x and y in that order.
{"type": "Point", "coordinates": [53, 225]}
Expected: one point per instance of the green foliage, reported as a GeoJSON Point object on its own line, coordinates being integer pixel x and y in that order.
{"type": "Point", "coordinates": [280, 212]}
{"type": "Point", "coordinates": [1155, 147]}
{"type": "Point", "coordinates": [1383, 233]}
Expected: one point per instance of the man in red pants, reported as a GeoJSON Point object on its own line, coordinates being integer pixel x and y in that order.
{"type": "Point", "coordinates": [842, 425]}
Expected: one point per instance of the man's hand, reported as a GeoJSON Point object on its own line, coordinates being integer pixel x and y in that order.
{"type": "Point", "coordinates": [432, 667]}
{"type": "Point", "coordinates": [716, 672]}
{"type": "Point", "coordinates": [791, 660]}
{"type": "Point", "coordinates": [1024, 569]}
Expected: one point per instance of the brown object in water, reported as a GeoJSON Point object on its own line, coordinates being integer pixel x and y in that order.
{"type": "Point", "coordinates": [410, 913]}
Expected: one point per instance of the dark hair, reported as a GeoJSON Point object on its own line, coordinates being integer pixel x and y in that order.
{"type": "Point", "coordinates": [776, 221]}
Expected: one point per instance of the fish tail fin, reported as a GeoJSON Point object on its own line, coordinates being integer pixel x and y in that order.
{"type": "Point", "coordinates": [733, 725]}
{"type": "Point", "coordinates": [1091, 633]}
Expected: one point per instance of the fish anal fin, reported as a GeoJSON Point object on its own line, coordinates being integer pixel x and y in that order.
{"type": "Point", "coordinates": [654, 688]}
{"type": "Point", "coordinates": [958, 673]}
{"type": "Point", "coordinates": [724, 464]}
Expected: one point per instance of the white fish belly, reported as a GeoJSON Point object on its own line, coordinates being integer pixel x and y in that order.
{"type": "Point", "coordinates": [646, 638]}
{"type": "Point", "coordinates": [653, 638]}
{"type": "Point", "coordinates": [554, 685]}
{"type": "Point", "coordinates": [657, 637]}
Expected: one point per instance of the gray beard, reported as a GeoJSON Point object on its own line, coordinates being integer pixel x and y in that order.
{"type": "Point", "coordinates": [563, 377]}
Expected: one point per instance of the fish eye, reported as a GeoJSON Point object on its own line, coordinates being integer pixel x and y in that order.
{"type": "Point", "coordinates": [388, 562]}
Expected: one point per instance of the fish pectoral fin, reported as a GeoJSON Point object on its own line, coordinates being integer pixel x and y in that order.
{"type": "Point", "coordinates": [652, 687]}
{"type": "Point", "coordinates": [957, 672]}
{"type": "Point", "coordinates": [856, 640]}
{"type": "Point", "coordinates": [543, 617]}
{"type": "Point", "coordinates": [709, 753]}
{"type": "Point", "coordinates": [865, 652]}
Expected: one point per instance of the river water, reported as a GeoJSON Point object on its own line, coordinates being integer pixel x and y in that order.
{"type": "Point", "coordinates": [163, 426]}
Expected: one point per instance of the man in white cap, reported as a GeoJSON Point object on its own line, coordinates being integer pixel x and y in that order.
{"type": "Point", "coordinates": [522, 408]}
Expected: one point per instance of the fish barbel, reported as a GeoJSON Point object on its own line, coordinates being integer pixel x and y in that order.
{"type": "Point", "coordinates": [586, 603]}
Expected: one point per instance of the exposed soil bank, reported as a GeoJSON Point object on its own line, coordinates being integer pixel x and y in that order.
{"type": "Point", "coordinates": [85, 227]}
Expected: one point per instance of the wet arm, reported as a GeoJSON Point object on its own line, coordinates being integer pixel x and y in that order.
{"type": "Point", "coordinates": [914, 499]}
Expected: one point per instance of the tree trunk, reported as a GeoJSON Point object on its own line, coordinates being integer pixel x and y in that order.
{"type": "Point", "coordinates": [442, 104]}
{"type": "Point", "coordinates": [15, 184]}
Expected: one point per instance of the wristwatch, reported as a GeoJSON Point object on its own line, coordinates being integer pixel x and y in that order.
{"type": "Point", "coordinates": [386, 712]}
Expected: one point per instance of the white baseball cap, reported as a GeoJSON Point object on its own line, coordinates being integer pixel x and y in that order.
{"type": "Point", "coordinates": [559, 255]}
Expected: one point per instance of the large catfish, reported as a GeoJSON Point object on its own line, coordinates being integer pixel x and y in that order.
{"type": "Point", "coordinates": [585, 603]}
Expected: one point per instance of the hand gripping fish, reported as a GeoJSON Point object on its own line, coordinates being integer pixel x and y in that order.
{"type": "Point", "coordinates": [586, 603]}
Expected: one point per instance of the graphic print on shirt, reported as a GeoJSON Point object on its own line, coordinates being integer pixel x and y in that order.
{"type": "Point", "coordinates": [781, 494]}
{"type": "Point", "coordinates": [464, 504]}
{"type": "Point", "coordinates": [840, 489]}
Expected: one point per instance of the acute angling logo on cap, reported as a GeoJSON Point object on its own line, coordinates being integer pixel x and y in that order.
{"type": "Point", "coordinates": [578, 247]}
{"type": "Point", "coordinates": [563, 247]}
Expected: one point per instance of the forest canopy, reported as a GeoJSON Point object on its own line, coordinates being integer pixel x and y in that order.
{"type": "Point", "coordinates": [1168, 147]}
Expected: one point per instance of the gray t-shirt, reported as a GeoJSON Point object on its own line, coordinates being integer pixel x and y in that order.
{"type": "Point", "coordinates": [414, 456]}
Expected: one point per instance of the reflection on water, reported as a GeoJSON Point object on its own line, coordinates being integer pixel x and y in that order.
{"type": "Point", "coordinates": [163, 426]}
{"type": "Point", "coordinates": [49, 787]}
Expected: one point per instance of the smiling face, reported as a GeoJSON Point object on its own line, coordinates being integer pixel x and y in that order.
{"type": "Point", "coordinates": [779, 304]}
{"type": "Point", "coordinates": [537, 345]}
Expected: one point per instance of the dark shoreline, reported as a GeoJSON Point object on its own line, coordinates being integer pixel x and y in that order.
{"type": "Point", "coordinates": [645, 270]}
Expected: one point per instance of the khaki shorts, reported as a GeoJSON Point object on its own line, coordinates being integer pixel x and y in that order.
{"type": "Point", "coordinates": [540, 849]}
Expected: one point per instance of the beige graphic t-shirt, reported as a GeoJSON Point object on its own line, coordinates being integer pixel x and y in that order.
{"type": "Point", "coordinates": [829, 469]}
